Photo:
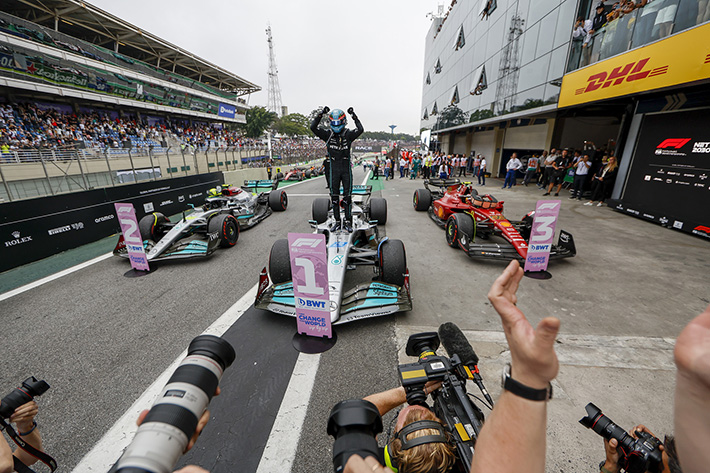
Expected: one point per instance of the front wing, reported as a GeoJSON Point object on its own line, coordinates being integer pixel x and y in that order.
{"type": "Point", "coordinates": [361, 302]}
{"type": "Point", "coordinates": [191, 247]}
{"type": "Point", "coordinates": [565, 248]}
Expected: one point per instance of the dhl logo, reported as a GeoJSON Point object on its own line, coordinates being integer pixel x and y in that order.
{"type": "Point", "coordinates": [632, 71]}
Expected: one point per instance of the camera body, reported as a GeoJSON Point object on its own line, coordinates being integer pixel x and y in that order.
{"type": "Point", "coordinates": [30, 388]}
{"type": "Point", "coordinates": [636, 455]}
{"type": "Point", "coordinates": [461, 418]}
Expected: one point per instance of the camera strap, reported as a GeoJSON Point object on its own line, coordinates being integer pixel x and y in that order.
{"type": "Point", "coordinates": [41, 456]}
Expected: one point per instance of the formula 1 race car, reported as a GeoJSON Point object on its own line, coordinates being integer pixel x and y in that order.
{"type": "Point", "coordinates": [295, 174]}
{"type": "Point", "coordinates": [215, 224]}
{"type": "Point", "coordinates": [388, 294]}
{"type": "Point", "coordinates": [462, 212]}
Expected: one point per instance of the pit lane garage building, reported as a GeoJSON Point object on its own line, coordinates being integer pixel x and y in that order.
{"type": "Point", "coordinates": [637, 87]}
{"type": "Point", "coordinates": [71, 52]}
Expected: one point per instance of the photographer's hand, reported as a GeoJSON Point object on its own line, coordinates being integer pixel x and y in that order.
{"type": "Point", "coordinates": [611, 465]}
{"type": "Point", "coordinates": [513, 438]}
{"type": "Point", "coordinates": [24, 416]}
{"type": "Point", "coordinates": [191, 469]}
{"type": "Point", "coordinates": [356, 464]}
{"type": "Point", "coordinates": [692, 394]}
{"type": "Point", "coordinates": [534, 362]}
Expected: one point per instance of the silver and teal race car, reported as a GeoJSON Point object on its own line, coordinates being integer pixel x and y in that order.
{"type": "Point", "coordinates": [387, 294]}
{"type": "Point", "coordinates": [217, 223]}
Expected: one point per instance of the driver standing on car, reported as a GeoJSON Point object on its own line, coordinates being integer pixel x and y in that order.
{"type": "Point", "coordinates": [338, 141]}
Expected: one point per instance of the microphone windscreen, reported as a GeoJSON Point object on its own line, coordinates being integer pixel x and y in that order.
{"type": "Point", "coordinates": [455, 343]}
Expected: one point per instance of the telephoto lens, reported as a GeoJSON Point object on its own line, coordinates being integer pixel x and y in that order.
{"type": "Point", "coordinates": [354, 424]}
{"type": "Point", "coordinates": [162, 437]}
{"type": "Point", "coordinates": [22, 395]}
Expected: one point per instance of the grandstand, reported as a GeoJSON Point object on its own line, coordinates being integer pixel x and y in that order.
{"type": "Point", "coordinates": [78, 83]}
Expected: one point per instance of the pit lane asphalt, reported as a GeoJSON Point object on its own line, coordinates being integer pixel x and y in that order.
{"type": "Point", "coordinates": [100, 339]}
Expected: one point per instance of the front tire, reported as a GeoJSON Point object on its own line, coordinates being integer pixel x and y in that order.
{"type": "Point", "coordinates": [378, 210]}
{"type": "Point", "coordinates": [280, 262]}
{"type": "Point", "coordinates": [150, 226]}
{"type": "Point", "coordinates": [422, 199]}
{"type": "Point", "coordinates": [227, 229]}
{"type": "Point", "coordinates": [393, 262]}
{"type": "Point", "coordinates": [278, 200]}
{"type": "Point", "coordinates": [319, 209]}
{"type": "Point", "coordinates": [279, 176]}
{"type": "Point", "coordinates": [459, 224]}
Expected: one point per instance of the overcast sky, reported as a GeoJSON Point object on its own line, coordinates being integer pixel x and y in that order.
{"type": "Point", "coordinates": [366, 54]}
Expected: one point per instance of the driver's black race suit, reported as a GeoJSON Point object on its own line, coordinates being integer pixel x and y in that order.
{"type": "Point", "coordinates": [338, 147]}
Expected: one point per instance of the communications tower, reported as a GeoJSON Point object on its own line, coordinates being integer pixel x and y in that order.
{"type": "Point", "coordinates": [274, 89]}
{"type": "Point", "coordinates": [509, 70]}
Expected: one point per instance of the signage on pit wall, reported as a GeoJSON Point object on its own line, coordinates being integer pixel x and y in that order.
{"type": "Point", "coordinates": [309, 272]}
{"type": "Point", "coordinates": [542, 235]}
{"type": "Point", "coordinates": [671, 61]}
{"type": "Point", "coordinates": [132, 236]}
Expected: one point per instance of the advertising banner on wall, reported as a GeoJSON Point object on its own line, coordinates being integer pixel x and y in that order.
{"type": "Point", "coordinates": [227, 110]}
{"type": "Point", "coordinates": [669, 179]}
{"type": "Point", "coordinates": [309, 270]}
{"type": "Point", "coordinates": [33, 229]}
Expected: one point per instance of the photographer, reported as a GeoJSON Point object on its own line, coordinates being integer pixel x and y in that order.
{"type": "Point", "coordinates": [26, 428]}
{"type": "Point", "coordinates": [431, 457]}
{"type": "Point", "coordinates": [670, 457]}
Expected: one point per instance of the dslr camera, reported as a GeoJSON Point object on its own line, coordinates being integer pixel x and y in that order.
{"type": "Point", "coordinates": [355, 423]}
{"type": "Point", "coordinates": [30, 388]}
{"type": "Point", "coordinates": [636, 455]}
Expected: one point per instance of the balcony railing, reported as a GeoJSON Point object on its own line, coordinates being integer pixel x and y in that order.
{"type": "Point", "coordinates": [652, 22]}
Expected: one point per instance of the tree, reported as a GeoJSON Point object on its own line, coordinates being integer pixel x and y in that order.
{"type": "Point", "coordinates": [258, 120]}
{"type": "Point", "coordinates": [450, 116]}
{"type": "Point", "coordinates": [294, 124]}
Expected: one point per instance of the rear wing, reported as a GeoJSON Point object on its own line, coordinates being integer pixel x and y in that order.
{"type": "Point", "coordinates": [441, 182]}
{"type": "Point", "coordinates": [255, 185]}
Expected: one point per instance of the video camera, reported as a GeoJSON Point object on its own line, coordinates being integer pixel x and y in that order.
{"type": "Point", "coordinates": [636, 455]}
{"type": "Point", "coordinates": [461, 417]}
{"type": "Point", "coordinates": [355, 423]}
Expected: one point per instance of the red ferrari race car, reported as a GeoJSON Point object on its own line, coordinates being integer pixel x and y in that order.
{"type": "Point", "coordinates": [465, 215]}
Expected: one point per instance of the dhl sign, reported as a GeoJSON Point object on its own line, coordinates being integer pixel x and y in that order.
{"type": "Point", "coordinates": [675, 60]}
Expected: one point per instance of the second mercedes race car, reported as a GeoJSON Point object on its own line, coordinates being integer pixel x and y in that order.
{"type": "Point", "coordinates": [215, 224]}
{"type": "Point", "coordinates": [364, 246]}
{"type": "Point", "coordinates": [462, 212]}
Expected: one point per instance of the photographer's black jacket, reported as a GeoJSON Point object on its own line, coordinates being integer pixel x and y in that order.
{"type": "Point", "coordinates": [338, 144]}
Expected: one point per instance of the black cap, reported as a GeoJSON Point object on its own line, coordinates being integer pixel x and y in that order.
{"type": "Point", "coordinates": [600, 5]}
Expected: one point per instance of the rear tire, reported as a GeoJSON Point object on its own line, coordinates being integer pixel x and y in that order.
{"type": "Point", "coordinates": [319, 209]}
{"type": "Point", "coordinates": [308, 174]}
{"type": "Point", "coordinates": [279, 176]}
{"type": "Point", "coordinates": [150, 226]}
{"type": "Point", "coordinates": [378, 210]}
{"type": "Point", "coordinates": [280, 262]}
{"type": "Point", "coordinates": [393, 262]}
{"type": "Point", "coordinates": [421, 199]}
{"type": "Point", "coordinates": [227, 227]}
{"type": "Point", "coordinates": [278, 200]}
{"type": "Point", "coordinates": [459, 224]}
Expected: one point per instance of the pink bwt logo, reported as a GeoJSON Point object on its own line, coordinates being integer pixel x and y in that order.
{"type": "Point", "coordinates": [132, 236]}
{"type": "Point", "coordinates": [542, 235]}
{"type": "Point", "coordinates": [309, 272]}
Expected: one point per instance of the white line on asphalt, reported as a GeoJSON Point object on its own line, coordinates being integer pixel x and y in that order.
{"type": "Point", "coordinates": [52, 277]}
{"type": "Point", "coordinates": [308, 195]}
{"type": "Point", "coordinates": [107, 450]}
{"type": "Point", "coordinates": [281, 447]}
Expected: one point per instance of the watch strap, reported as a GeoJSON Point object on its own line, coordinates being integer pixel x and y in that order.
{"type": "Point", "coordinates": [526, 392]}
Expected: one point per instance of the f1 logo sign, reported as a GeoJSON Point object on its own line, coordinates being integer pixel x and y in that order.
{"type": "Point", "coordinates": [676, 143]}
{"type": "Point", "coordinates": [125, 209]}
{"type": "Point", "coordinates": [308, 242]}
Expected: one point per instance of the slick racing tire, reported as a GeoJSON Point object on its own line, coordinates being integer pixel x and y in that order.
{"type": "Point", "coordinates": [280, 262]}
{"type": "Point", "coordinates": [459, 224]}
{"type": "Point", "coordinates": [308, 174]}
{"type": "Point", "coordinates": [279, 176]}
{"type": "Point", "coordinates": [393, 262]}
{"type": "Point", "coordinates": [278, 200]}
{"type": "Point", "coordinates": [378, 210]}
{"type": "Point", "coordinates": [527, 228]}
{"type": "Point", "coordinates": [421, 199]}
{"type": "Point", "coordinates": [150, 226]}
{"type": "Point", "coordinates": [227, 229]}
{"type": "Point", "coordinates": [319, 209]}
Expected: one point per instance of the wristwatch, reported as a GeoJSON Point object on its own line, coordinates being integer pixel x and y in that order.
{"type": "Point", "coordinates": [526, 392]}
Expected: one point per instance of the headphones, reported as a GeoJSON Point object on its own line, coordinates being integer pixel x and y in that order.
{"type": "Point", "coordinates": [440, 437]}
